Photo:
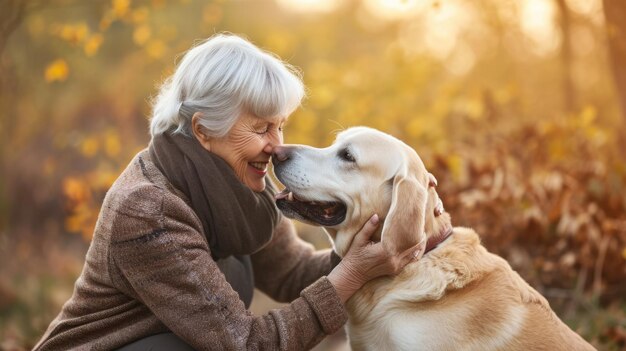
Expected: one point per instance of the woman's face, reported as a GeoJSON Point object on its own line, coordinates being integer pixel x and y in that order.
{"type": "Point", "coordinates": [248, 146]}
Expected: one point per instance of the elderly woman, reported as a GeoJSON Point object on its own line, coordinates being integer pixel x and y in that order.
{"type": "Point", "coordinates": [190, 227]}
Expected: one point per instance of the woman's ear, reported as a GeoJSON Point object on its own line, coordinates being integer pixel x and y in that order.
{"type": "Point", "coordinates": [199, 132]}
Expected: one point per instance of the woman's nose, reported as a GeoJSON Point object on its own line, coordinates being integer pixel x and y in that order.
{"type": "Point", "coordinates": [273, 142]}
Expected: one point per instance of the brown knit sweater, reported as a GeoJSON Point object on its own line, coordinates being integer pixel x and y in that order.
{"type": "Point", "coordinates": [149, 270]}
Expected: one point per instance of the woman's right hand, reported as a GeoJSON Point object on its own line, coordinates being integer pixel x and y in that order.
{"type": "Point", "coordinates": [366, 260]}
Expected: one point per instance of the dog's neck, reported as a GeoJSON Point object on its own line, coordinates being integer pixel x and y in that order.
{"type": "Point", "coordinates": [435, 239]}
{"type": "Point", "coordinates": [438, 228]}
{"type": "Point", "coordinates": [438, 223]}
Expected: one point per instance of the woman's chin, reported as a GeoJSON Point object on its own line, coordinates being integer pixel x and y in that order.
{"type": "Point", "coordinates": [257, 185]}
{"type": "Point", "coordinates": [254, 178]}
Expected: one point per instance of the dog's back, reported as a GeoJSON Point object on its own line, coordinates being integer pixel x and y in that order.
{"type": "Point", "coordinates": [457, 297]}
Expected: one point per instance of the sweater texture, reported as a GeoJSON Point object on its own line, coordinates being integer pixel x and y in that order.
{"type": "Point", "coordinates": [149, 270]}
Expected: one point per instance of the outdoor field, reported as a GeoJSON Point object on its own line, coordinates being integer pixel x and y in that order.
{"type": "Point", "coordinates": [518, 107]}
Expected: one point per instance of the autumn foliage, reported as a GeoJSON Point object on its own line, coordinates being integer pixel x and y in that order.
{"type": "Point", "coordinates": [524, 133]}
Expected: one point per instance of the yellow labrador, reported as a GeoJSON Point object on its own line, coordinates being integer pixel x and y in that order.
{"type": "Point", "coordinates": [457, 296]}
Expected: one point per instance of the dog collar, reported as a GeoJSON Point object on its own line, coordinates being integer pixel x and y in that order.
{"type": "Point", "coordinates": [445, 233]}
{"type": "Point", "coordinates": [435, 240]}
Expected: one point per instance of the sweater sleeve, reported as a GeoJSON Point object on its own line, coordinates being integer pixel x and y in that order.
{"type": "Point", "coordinates": [170, 270]}
{"type": "Point", "coordinates": [288, 264]}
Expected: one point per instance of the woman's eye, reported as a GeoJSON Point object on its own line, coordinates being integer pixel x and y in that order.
{"type": "Point", "coordinates": [262, 131]}
{"type": "Point", "coordinates": [346, 155]}
{"type": "Point", "coordinates": [269, 128]}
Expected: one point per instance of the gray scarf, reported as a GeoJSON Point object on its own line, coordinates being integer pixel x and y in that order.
{"type": "Point", "coordinates": [237, 221]}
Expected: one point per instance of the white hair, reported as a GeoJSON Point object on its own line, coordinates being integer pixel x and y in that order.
{"type": "Point", "coordinates": [221, 78]}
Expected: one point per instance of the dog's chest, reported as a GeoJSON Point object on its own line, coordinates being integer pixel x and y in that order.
{"type": "Point", "coordinates": [387, 314]}
{"type": "Point", "coordinates": [418, 314]}
{"type": "Point", "coordinates": [397, 329]}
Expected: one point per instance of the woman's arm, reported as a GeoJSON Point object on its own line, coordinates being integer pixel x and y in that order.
{"type": "Point", "coordinates": [288, 264]}
{"type": "Point", "coordinates": [170, 270]}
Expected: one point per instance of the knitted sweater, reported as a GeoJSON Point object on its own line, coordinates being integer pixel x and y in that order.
{"type": "Point", "coordinates": [149, 270]}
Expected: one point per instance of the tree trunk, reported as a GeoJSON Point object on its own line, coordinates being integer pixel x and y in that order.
{"type": "Point", "coordinates": [11, 14]}
{"type": "Point", "coordinates": [615, 14]}
{"type": "Point", "coordinates": [569, 97]}
{"type": "Point", "coordinates": [10, 17]}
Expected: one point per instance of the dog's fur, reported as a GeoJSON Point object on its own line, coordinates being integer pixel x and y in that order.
{"type": "Point", "coordinates": [457, 296]}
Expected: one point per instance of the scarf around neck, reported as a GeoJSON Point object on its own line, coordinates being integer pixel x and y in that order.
{"type": "Point", "coordinates": [236, 220]}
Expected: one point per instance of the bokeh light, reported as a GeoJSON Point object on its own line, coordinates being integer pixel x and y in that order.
{"type": "Point", "coordinates": [524, 132]}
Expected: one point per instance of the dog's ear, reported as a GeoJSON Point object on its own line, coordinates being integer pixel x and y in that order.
{"type": "Point", "coordinates": [404, 224]}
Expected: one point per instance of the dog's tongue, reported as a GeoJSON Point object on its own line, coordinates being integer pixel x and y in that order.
{"type": "Point", "coordinates": [285, 194]}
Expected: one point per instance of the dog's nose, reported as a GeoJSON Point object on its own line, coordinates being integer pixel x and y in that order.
{"type": "Point", "coordinates": [280, 154]}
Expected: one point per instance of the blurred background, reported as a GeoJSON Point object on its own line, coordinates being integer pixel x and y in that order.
{"type": "Point", "coordinates": [517, 106]}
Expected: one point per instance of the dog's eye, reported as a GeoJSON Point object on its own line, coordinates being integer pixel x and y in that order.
{"type": "Point", "coordinates": [346, 155]}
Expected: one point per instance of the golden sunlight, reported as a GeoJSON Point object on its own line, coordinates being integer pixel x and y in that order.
{"type": "Point", "coordinates": [396, 9]}
{"type": "Point", "coordinates": [585, 7]}
{"type": "Point", "coordinates": [592, 9]}
{"type": "Point", "coordinates": [314, 6]}
{"type": "Point", "coordinates": [538, 23]}
{"type": "Point", "coordinates": [443, 32]}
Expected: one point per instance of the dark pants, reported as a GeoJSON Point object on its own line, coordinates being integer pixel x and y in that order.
{"type": "Point", "coordinates": [159, 342]}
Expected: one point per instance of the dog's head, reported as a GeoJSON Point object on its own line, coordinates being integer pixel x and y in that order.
{"type": "Point", "coordinates": [363, 172]}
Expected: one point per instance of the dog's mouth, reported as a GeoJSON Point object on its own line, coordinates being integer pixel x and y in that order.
{"type": "Point", "coordinates": [326, 214]}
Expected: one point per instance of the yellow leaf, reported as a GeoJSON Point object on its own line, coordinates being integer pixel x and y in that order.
{"type": "Point", "coordinates": [81, 31]}
{"type": "Point", "coordinates": [74, 33]}
{"type": "Point", "coordinates": [112, 145]}
{"type": "Point", "coordinates": [73, 223]}
{"type": "Point", "coordinates": [140, 15]}
{"type": "Point", "coordinates": [74, 189]}
{"type": "Point", "coordinates": [588, 116]}
{"type": "Point", "coordinates": [82, 220]}
{"type": "Point", "coordinates": [89, 147]}
{"type": "Point", "coordinates": [455, 164]}
{"type": "Point", "coordinates": [67, 32]}
{"type": "Point", "coordinates": [141, 35]}
{"type": "Point", "coordinates": [558, 150]}
{"type": "Point", "coordinates": [56, 71]}
{"type": "Point", "coordinates": [475, 109]}
{"type": "Point", "coordinates": [120, 7]}
{"type": "Point", "coordinates": [155, 49]}
{"type": "Point", "coordinates": [106, 21]}
{"type": "Point", "coordinates": [93, 44]}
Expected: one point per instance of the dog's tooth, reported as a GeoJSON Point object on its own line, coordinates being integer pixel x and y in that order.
{"type": "Point", "coordinates": [290, 196]}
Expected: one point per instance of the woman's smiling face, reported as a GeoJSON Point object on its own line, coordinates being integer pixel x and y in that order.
{"type": "Point", "coordinates": [247, 147]}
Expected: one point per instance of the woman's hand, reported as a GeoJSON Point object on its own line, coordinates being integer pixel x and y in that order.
{"type": "Point", "coordinates": [366, 260]}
